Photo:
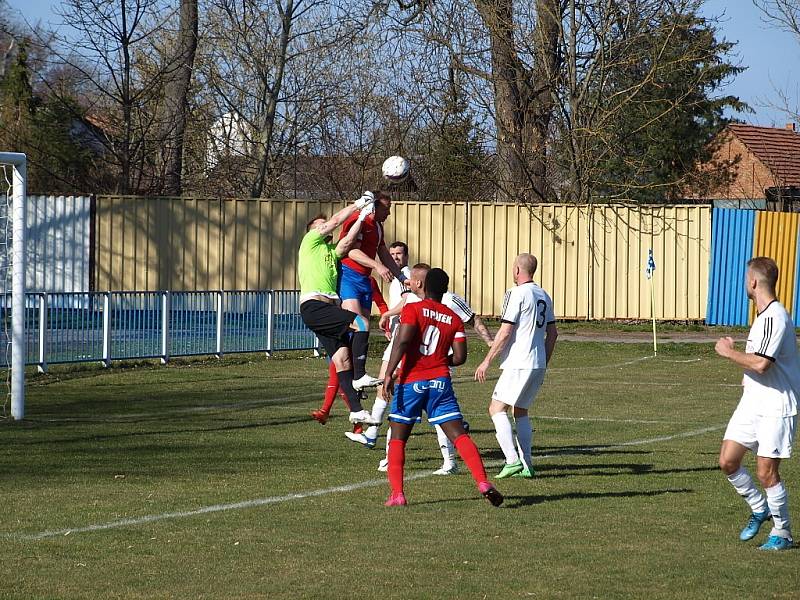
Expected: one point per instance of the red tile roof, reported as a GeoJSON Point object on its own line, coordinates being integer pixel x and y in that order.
{"type": "Point", "coordinates": [778, 149]}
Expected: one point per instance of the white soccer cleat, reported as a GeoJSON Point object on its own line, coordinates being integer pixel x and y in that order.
{"type": "Point", "coordinates": [359, 438]}
{"type": "Point", "coordinates": [447, 469]}
{"type": "Point", "coordinates": [365, 381]}
{"type": "Point", "coordinates": [383, 466]}
{"type": "Point", "coordinates": [362, 416]}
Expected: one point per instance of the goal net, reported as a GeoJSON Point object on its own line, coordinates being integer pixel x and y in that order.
{"type": "Point", "coordinates": [12, 278]}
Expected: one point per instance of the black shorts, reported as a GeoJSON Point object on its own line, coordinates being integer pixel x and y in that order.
{"type": "Point", "coordinates": [329, 322]}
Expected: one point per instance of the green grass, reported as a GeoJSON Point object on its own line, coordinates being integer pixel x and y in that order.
{"type": "Point", "coordinates": [627, 502]}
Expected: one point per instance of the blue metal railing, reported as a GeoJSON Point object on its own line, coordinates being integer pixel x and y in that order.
{"type": "Point", "coordinates": [71, 327]}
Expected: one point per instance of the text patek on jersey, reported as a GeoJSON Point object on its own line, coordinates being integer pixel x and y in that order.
{"type": "Point", "coordinates": [437, 316]}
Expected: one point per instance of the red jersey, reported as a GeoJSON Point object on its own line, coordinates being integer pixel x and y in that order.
{"type": "Point", "coordinates": [437, 328]}
{"type": "Point", "coordinates": [370, 238]}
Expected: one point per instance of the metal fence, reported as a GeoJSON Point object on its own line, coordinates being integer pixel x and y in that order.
{"type": "Point", "coordinates": [72, 327]}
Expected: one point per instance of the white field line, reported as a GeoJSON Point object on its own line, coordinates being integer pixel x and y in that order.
{"type": "Point", "coordinates": [321, 492]}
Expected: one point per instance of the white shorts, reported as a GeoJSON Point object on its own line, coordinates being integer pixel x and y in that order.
{"type": "Point", "coordinates": [770, 437]}
{"type": "Point", "coordinates": [388, 352]}
{"type": "Point", "coordinates": [518, 387]}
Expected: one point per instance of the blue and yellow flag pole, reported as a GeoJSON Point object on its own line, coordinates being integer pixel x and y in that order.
{"type": "Point", "coordinates": [649, 271]}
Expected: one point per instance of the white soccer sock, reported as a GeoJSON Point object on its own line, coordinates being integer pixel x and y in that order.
{"type": "Point", "coordinates": [778, 501]}
{"type": "Point", "coordinates": [742, 482]}
{"type": "Point", "coordinates": [524, 439]}
{"type": "Point", "coordinates": [378, 409]}
{"type": "Point", "coordinates": [388, 439]}
{"type": "Point", "coordinates": [505, 436]}
{"type": "Point", "coordinates": [445, 446]}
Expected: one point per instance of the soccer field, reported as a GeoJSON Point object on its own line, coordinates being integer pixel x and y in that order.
{"type": "Point", "coordinates": [207, 479]}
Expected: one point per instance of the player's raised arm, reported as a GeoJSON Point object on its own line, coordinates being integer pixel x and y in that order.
{"type": "Point", "coordinates": [340, 217]}
{"type": "Point", "coordinates": [347, 242]}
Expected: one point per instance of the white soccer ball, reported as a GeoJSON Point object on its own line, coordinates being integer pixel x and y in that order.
{"type": "Point", "coordinates": [395, 169]}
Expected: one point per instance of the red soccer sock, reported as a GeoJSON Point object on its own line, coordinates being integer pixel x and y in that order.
{"type": "Point", "coordinates": [358, 428]}
{"type": "Point", "coordinates": [397, 461]}
{"type": "Point", "coordinates": [469, 454]}
{"type": "Point", "coordinates": [330, 391]}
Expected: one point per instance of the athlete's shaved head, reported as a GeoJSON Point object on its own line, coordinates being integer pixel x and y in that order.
{"type": "Point", "coordinates": [765, 271]}
{"type": "Point", "coordinates": [436, 284]}
{"type": "Point", "coordinates": [526, 263]}
{"type": "Point", "coordinates": [418, 274]}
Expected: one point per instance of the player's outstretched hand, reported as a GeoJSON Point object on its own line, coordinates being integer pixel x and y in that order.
{"type": "Point", "coordinates": [383, 322]}
{"type": "Point", "coordinates": [480, 372]}
{"type": "Point", "coordinates": [366, 199]}
{"type": "Point", "coordinates": [388, 388]}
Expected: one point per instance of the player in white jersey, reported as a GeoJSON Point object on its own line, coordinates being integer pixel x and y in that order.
{"type": "Point", "coordinates": [765, 419]}
{"type": "Point", "coordinates": [397, 293]}
{"type": "Point", "coordinates": [525, 342]}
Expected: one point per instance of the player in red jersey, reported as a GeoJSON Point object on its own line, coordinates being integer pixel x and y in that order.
{"type": "Point", "coordinates": [428, 329]}
{"type": "Point", "coordinates": [370, 253]}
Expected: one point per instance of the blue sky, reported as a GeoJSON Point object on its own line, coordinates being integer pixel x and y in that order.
{"type": "Point", "coordinates": [772, 57]}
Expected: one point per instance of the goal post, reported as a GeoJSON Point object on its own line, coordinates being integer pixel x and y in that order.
{"type": "Point", "coordinates": [15, 191]}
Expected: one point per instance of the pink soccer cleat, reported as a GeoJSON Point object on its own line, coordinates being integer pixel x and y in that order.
{"type": "Point", "coordinates": [490, 493]}
{"type": "Point", "coordinates": [396, 499]}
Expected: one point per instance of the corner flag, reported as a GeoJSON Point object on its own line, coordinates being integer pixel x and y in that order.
{"type": "Point", "coordinates": [651, 264]}
{"type": "Point", "coordinates": [648, 271]}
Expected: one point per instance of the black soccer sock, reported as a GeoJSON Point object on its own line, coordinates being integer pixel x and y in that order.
{"type": "Point", "coordinates": [360, 345]}
{"type": "Point", "coordinates": [346, 383]}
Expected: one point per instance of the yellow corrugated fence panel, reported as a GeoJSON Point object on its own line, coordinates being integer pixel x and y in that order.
{"type": "Point", "coordinates": [776, 237]}
{"type": "Point", "coordinates": [591, 258]}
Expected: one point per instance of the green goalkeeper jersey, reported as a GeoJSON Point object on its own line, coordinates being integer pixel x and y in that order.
{"type": "Point", "coordinates": [317, 266]}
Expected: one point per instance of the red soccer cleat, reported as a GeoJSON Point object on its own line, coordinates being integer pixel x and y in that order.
{"type": "Point", "coordinates": [320, 416]}
{"type": "Point", "coordinates": [396, 499]}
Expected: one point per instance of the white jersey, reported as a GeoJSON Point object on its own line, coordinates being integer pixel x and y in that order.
{"type": "Point", "coordinates": [396, 292]}
{"type": "Point", "coordinates": [459, 306]}
{"type": "Point", "coordinates": [530, 309]}
{"type": "Point", "coordinates": [397, 289]}
{"type": "Point", "coordinates": [775, 392]}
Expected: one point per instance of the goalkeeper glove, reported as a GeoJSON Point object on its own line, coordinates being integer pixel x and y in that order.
{"type": "Point", "coordinates": [368, 210]}
{"type": "Point", "coordinates": [367, 199]}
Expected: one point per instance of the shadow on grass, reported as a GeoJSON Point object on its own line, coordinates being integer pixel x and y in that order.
{"type": "Point", "coordinates": [522, 501]}
{"type": "Point", "coordinates": [135, 434]}
{"type": "Point", "coordinates": [515, 502]}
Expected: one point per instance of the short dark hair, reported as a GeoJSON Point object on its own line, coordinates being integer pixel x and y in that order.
{"type": "Point", "coordinates": [767, 270]}
{"type": "Point", "coordinates": [383, 196]}
{"type": "Point", "coordinates": [311, 222]}
{"type": "Point", "coordinates": [402, 245]}
{"type": "Point", "coordinates": [436, 283]}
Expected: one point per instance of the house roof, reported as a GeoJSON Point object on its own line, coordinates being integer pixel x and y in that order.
{"type": "Point", "coordinates": [778, 149]}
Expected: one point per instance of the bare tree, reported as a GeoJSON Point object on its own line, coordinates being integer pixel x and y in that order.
{"type": "Point", "coordinates": [178, 76]}
{"type": "Point", "coordinates": [275, 65]}
{"type": "Point", "coordinates": [111, 44]}
{"type": "Point", "coordinates": [785, 15]}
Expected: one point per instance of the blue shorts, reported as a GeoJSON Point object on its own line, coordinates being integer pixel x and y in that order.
{"type": "Point", "coordinates": [355, 286]}
{"type": "Point", "coordinates": [434, 396]}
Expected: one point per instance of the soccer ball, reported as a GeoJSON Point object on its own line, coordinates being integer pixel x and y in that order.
{"type": "Point", "coordinates": [395, 169]}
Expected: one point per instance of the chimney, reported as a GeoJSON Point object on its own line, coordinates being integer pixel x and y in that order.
{"type": "Point", "coordinates": [791, 126]}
